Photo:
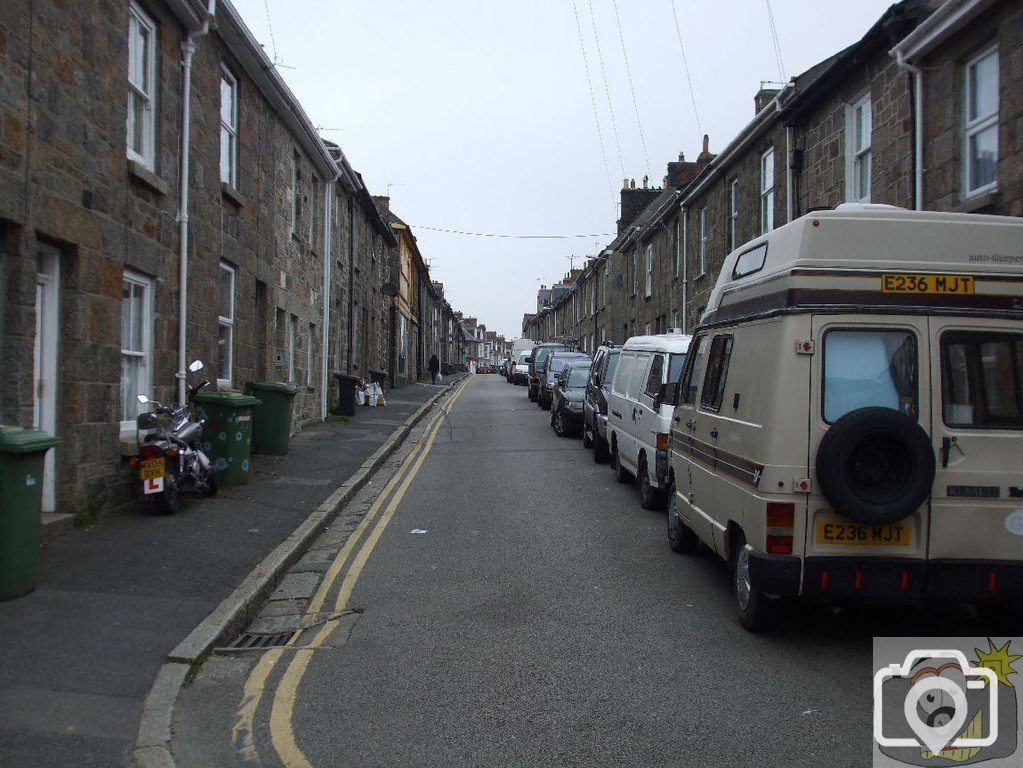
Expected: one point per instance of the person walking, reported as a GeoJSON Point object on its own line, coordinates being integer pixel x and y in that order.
{"type": "Point", "coordinates": [434, 368]}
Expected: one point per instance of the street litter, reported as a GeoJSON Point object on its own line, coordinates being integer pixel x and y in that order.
{"type": "Point", "coordinates": [418, 530]}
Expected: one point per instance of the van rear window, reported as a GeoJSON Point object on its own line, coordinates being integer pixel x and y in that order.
{"type": "Point", "coordinates": [982, 379]}
{"type": "Point", "coordinates": [869, 367]}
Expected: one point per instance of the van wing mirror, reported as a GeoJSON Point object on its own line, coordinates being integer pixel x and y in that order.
{"type": "Point", "coordinates": [665, 394]}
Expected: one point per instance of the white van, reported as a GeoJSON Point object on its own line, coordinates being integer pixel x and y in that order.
{"type": "Point", "coordinates": [639, 409]}
{"type": "Point", "coordinates": [850, 420]}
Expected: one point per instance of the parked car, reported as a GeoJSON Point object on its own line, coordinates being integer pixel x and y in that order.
{"type": "Point", "coordinates": [538, 356]}
{"type": "Point", "coordinates": [850, 421]}
{"type": "Point", "coordinates": [640, 407]}
{"type": "Point", "coordinates": [520, 369]}
{"type": "Point", "coordinates": [567, 399]}
{"type": "Point", "coordinates": [598, 385]}
{"type": "Point", "coordinates": [549, 370]}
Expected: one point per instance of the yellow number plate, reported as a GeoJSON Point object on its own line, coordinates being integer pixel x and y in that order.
{"type": "Point", "coordinates": [957, 285]}
{"type": "Point", "coordinates": [897, 535]}
{"type": "Point", "coordinates": [151, 469]}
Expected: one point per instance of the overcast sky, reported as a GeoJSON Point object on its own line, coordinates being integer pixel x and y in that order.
{"type": "Point", "coordinates": [478, 116]}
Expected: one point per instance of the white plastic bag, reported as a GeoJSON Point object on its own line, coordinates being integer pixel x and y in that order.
{"type": "Point", "coordinates": [360, 396]}
{"type": "Point", "coordinates": [440, 379]}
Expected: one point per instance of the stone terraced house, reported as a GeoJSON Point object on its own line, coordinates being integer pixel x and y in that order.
{"type": "Point", "coordinates": [143, 225]}
{"type": "Point", "coordinates": [924, 111]}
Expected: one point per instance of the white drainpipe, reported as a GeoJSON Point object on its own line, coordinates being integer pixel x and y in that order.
{"type": "Point", "coordinates": [685, 269]}
{"type": "Point", "coordinates": [918, 143]}
{"type": "Point", "coordinates": [187, 50]}
{"type": "Point", "coordinates": [328, 202]}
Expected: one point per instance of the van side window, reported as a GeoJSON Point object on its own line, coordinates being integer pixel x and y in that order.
{"type": "Point", "coordinates": [982, 379]}
{"type": "Point", "coordinates": [717, 370]}
{"type": "Point", "coordinates": [620, 382]}
{"type": "Point", "coordinates": [655, 378]}
{"type": "Point", "coordinates": [869, 367]}
{"type": "Point", "coordinates": [637, 380]}
{"type": "Point", "coordinates": [688, 384]}
{"type": "Point", "coordinates": [608, 376]}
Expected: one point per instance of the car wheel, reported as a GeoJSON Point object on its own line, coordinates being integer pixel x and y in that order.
{"type": "Point", "coordinates": [600, 450]}
{"type": "Point", "coordinates": [649, 497]}
{"type": "Point", "coordinates": [754, 609]}
{"type": "Point", "coordinates": [681, 538]}
{"type": "Point", "coordinates": [621, 473]}
{"type": "Point", "coordinates": [545, 404]}
{"type": "Point", "coordinates": [558, 422]}
{"type": "Point", "coordinates": [587, 436]}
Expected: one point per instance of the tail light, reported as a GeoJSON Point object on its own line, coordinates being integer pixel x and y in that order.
{"type": "Point", "coordinates": [780, 523]}
{"type": "Point", "coordinates": [150, 452]}
{"type": "Point", "coordinates": [662, 441]}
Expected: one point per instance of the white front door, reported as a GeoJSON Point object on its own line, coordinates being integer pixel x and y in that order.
{"type": "Point", "coordinates": [45, 365]}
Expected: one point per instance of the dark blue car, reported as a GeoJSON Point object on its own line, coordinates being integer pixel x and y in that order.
{"type": "Point", "coordinates": [567, 398]}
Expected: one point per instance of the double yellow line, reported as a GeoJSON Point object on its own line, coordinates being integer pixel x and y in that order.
{"type": "Point", "coordinates": [360, 545]}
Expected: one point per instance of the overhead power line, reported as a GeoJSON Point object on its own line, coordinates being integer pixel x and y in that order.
{"type": "Point", "coordinates": [593, 103]}
{"type": "Point", "coordinates": [685, 65]}
{"type": "Point", "coordinates": [607, 90]}
{"type": "Point", "coordinates": [632, 89]}
{"type": "Point", "coordinates": [509, 237]}
{"type": "Point", "coordinates": [777, 45]}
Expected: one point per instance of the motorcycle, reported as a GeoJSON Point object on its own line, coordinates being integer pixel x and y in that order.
{"type": "Point", "coordinates": [170, 459]}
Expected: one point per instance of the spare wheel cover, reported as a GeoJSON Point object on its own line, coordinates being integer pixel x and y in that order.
{"type": "Point", "coordinates": [875, 465]}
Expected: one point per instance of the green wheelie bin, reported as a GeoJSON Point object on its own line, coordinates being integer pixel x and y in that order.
{"type": "Point", "coordinates": [271, 420]}
{"type": "Point", "coordinates": [227, 436]}
{"type": "Point", "coordinates": [22, 452]}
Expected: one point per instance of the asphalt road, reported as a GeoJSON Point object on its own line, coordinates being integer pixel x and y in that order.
{"type": "Point", "coordinates": [521, 609]}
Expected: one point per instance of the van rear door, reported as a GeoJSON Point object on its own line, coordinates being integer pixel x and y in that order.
{"type": "Point", "coordinates": [977, 411]}
{"type": "Point", "coordinates": [862, 363]}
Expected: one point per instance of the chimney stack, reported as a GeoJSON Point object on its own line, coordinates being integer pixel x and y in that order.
{"type": "Point", "coordinates": [763, 98]}
{"type": "Point", "coordinates": [705, 156]}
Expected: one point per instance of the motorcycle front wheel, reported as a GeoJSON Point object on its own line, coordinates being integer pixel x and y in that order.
{"type": "Point", "coordinates": [169, 501]}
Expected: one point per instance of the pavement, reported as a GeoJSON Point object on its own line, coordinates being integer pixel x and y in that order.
{"type": "Point", "coordinates": [92, 660]}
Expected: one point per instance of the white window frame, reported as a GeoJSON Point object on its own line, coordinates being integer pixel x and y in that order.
{"type": "Point", "coordinates": [128, 402]}
{"type": "Point", "coordinates": [702, 252]}
{"type": "Point", "coordinates": [649, 284]}
{"type": "Point", "coordinates": [229, 130]}
{"type": "Point", "coordinates": [858, 153]}
{"type": "Point", "coordinates": [733, 215]}
{"type": "Point", "coordinates": [635, 270]}
{"type": "Point", "coordinates": [226, 321]}
{"type": "Point", "coordinates": [979, 124]}
{"type": "Point", "coordinates": [767, 191]}
{"type": "Point", "coordinates": [141, 27]}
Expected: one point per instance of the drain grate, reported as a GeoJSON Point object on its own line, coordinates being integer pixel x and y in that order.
{"type": "Point", "coordinates": [259, 640]}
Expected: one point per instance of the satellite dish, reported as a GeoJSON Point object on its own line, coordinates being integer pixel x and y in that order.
{"type": "Point", "coordinates": [389, 289]}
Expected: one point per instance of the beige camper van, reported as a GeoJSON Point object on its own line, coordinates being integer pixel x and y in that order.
{"type": "Point", "coordinates": [850, 417]}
